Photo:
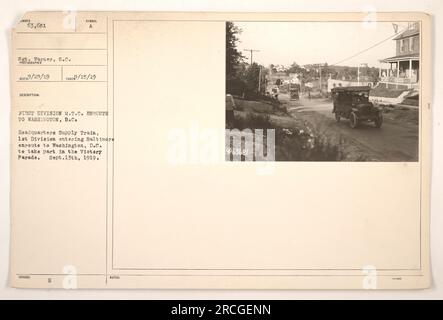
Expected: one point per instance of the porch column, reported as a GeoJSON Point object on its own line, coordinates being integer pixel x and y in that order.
{"type": "Point", "coordinates": [410, 69]}
{"type": "Point", "coordinates": [398, 69]}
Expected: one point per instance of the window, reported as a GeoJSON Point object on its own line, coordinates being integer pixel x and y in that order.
{"type": "Point", "coordinates": [415, 44]}
{"type": "Point", "coordinates": [404, 45]}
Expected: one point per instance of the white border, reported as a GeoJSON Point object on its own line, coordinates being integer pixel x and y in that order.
{"type": "Point", "coordinates": [10, 14]}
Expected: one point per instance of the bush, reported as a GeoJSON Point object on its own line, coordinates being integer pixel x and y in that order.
{"type": "Point", "coordinates": [293, 144]}
{"type": "Point", "coordinates": [235, 86]}
{"type": "Point", "coordinates": [253, 121]}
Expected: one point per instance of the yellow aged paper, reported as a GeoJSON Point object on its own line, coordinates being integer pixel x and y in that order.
{"type": "Point", "coordinates": [220, 150]}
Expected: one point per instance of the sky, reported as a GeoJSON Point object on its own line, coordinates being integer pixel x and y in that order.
{"type": "Point", "coordinates": [317, 42]}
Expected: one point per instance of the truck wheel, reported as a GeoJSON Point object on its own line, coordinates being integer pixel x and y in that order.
{"type": "Point", "coordinates": [379, 121]}
{"type": "Point", "coordinates": [337, 117]}
{"type": "Point", "coordinates": [353, 120]}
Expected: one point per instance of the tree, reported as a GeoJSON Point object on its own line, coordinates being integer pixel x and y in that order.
{"type": "Point", "coordinates": [272, 68]}
{"type": "Point", "coordinates": [233, 56]}
{"type": "Point", "coordinates": [252, 77]}
{"type": "Point", "coordinates": [294, 68]}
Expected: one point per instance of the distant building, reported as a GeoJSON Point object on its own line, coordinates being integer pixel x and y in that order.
{"type": "Point", "coordinates": [272, 77]}
{"type": "Point", "coordinates": [402, 70]}
{"type": "Point", "coordinates": [280, 68]}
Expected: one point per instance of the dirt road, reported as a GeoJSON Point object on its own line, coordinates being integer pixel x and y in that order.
{"type": "Point", "coordinates": [394, 141]}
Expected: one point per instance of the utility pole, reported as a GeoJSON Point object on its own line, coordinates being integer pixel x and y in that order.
{"type": "Point", "coordinates": [358, 71]}
{"type": "Point", "coordinates": [251, 51]}
{"type": "Point", "coordinates": [317, 65]}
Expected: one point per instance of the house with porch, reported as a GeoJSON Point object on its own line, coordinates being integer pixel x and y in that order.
{"type": "Point", "coordinates": [402, 70]}
{"type": "Point", "coordinates": [399, 75]}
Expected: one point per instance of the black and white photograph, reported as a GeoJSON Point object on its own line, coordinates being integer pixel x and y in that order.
{"type": "Point", "coordinates": [221, 156]}
{"type": "Point", "coordinates": [323, 91]}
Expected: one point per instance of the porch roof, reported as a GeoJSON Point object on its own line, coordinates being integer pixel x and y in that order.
{"type": "Point", "coordinates": [403, 57]}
